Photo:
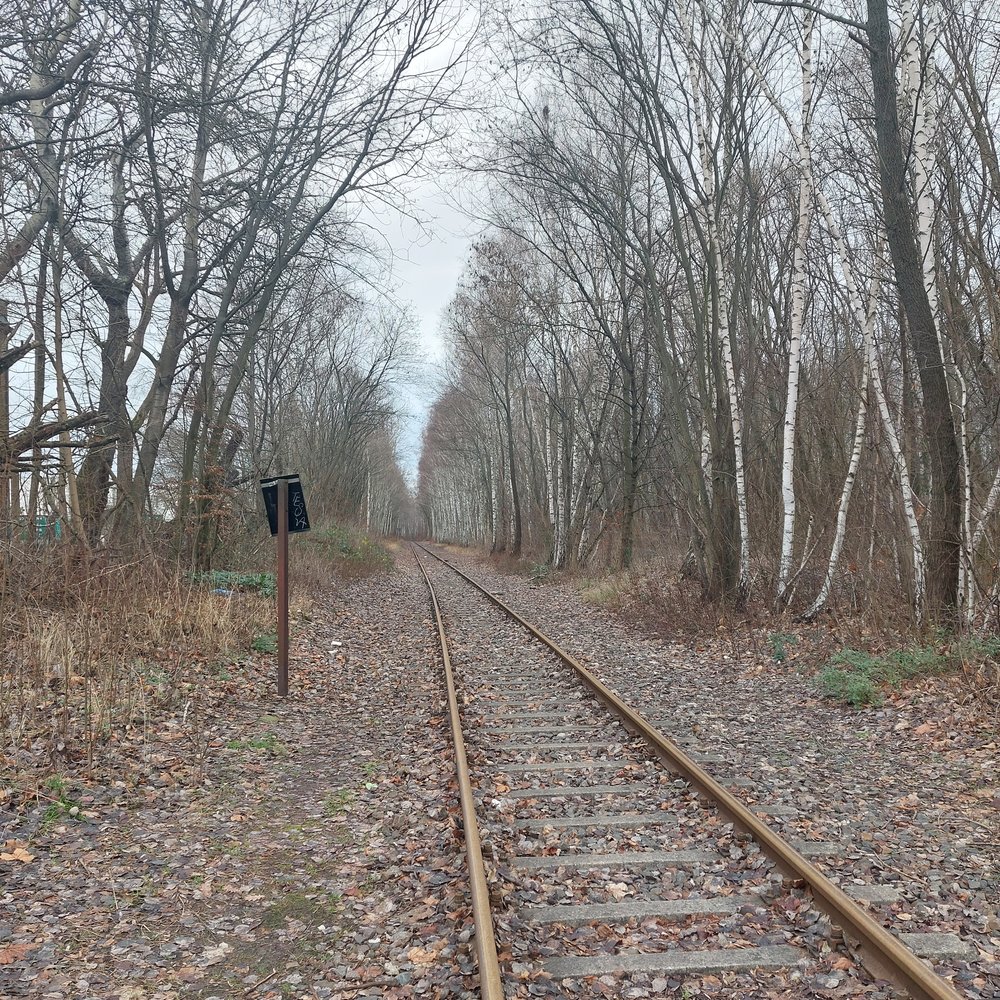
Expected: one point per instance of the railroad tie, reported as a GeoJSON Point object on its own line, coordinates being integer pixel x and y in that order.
{"type": "Point", "coordinates": [565, 765]}
{"type": "Point", "coordinates": [635, 909]}
{"type": "Point", "coordinates": [574, 791]}
{"type": "Point", "coordinates": [600, 821]}
{"type": "Point", "coordinates": [623, 859]}
{"type": "Point", "coordinates": [675, 962]}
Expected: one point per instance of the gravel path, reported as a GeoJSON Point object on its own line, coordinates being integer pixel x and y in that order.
{"type": "Point", "coordinates": [314, 854]}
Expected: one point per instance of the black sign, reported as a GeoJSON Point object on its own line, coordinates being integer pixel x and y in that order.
{"type": "Point", "coordinates": [298, 519]}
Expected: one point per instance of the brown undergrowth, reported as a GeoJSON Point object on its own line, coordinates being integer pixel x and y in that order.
{"type": "Point", "coordinates": [859, 653]}
{"type": "Point", "coordinates": [98, 652]}
{"type": "Point", "coordinates": [94, 649]}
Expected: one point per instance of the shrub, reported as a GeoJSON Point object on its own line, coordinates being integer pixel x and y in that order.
{"type": "Point", "coordinates": [224, 579]}
{"type": "Point", "coordinates": [857, 678]}
{"type": "Point", "coordinates": [779, 640]}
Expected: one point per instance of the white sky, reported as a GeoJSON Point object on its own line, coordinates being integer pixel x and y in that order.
{"type": "Point", "coordinates": [427, 262]}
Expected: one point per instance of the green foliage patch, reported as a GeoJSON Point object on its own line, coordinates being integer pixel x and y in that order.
{"type": "Point", "coordinates": [266, 643]}
{"type": "Point", "coordinates": [779, 641]}
{"type": "Point", "coordinates": [858, 678]}
{"type": "Point", "coordinates": [268, 742]}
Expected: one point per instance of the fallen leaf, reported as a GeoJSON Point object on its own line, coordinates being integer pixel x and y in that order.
{"type": "Point", "coordinates": [18, 854]}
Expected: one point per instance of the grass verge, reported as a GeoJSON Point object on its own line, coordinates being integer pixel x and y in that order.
{"type": "Point", "coordinates": [859, 679]}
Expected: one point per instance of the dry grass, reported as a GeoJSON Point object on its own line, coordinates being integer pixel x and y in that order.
{"type": "Point", "coordinates": [608, 592]}
{"type": "Point", "coordinates": [96, 652]}
{"type": "Point", "coordinates": [91, 649]}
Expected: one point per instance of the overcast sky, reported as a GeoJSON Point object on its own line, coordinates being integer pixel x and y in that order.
{"type": "Point", "coordinates": [427, 262]}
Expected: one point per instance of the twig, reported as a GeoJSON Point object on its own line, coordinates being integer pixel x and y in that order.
{"type": "Point", "coordinates": [389, 981]}
{"type": "Point", "coordinates": [259, 983]}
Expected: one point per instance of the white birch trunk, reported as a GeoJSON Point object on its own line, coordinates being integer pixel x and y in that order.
{"type": "Point", "coordinates": [706, 459]}
{"type": "Point", "coordinates": [899, 459]}
{"type": "Point", "coordinates": [918, 89]}
{"type": "Point", "coordinates": [796, 317]}
{"type": "Point", "coordinates": [722, 295]}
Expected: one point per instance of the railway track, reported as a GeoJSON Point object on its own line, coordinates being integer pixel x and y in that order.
{"type": "Point", "coordinates": [603, 858]}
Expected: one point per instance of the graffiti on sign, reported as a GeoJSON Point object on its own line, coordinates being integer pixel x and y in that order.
{"type": "Point", "coordinates": [298, 517]}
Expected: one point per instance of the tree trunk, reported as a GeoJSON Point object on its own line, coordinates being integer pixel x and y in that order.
{"type": "Point", "coordinates": [944, 546]}
{"type": "Point", "coordinates": [796, 319]}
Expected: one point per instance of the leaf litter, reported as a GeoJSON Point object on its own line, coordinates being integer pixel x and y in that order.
{"type": "Point", "coordinates": [313, 848]}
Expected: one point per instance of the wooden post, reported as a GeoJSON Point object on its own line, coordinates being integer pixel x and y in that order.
{"type": "Point", "coordinates": [282, 588]}
{"type": "Point", "coordinates": [6, 472]}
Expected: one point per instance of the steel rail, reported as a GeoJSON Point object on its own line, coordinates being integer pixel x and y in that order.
{"type": "Point", "coordinates": [490, 985]}
{"type": "Point", "coordinates": [882, 955]}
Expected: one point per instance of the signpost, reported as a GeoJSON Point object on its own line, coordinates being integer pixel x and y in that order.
{"type": "Point", "coordinates": [285, 504]}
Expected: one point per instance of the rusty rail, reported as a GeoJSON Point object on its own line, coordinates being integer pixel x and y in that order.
{"type": "Point", "coordinates": [883, 956]}
{"type": "Point", "coordinates": [490, 985]}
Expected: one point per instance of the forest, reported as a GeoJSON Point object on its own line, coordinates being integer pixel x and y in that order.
{"type": "Point", "coordinates": [639, 361]}
{"type": "Point", "coordinates": [733, 302]}
{"type": "Point", "coordinates": [737, 302]}
{"type": "Point", "coordinates": [188, 280]}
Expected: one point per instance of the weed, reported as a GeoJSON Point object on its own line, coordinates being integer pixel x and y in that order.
{"type": "Point", "coordinates": [779, 640]}
{"type": "Point", "coordinates": [338, 802]}
{"type": "Point", "coordinates": [370, 769]}
{"type": "Point", "coordinates": [61, 806]}
{"type": "Point", "coordinates": [224, 579]}
{"type": "Point", "coordinates": [607, 592]}
{"type": "Point", "coordinates": [266, 643]}
{"type": "Point", "coordinates": [855, 688]}
{"type": "Point", "coordinates": [268, 742]}
{"type": "Point", "coordinates": [975, 647]}
{"type": "Point", "coordinates": [857, 677]}
{"type": "Point", "coordinates": [56, 783]}
{"type": "Point", "coordinates": [539, 571]}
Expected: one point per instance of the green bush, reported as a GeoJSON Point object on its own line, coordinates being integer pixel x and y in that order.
{"type": "Point", "coordinates": [539, 571]}
{"type": "Point", "coordinates": [857, 678]}
{"type": "Point", "coordinates": [267, 643]}
{"type": "Point", "coordinates": [779, 640]}
{"type": "Point", "coordinates": [224, 579]}
{"type": "Point", "coordinates": [855, 688]}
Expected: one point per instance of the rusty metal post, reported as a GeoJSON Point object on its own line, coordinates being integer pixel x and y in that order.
{"type": "Point", "coordinates": [6, 459]}
{"type": "Point", "coordinates": [282, 588]}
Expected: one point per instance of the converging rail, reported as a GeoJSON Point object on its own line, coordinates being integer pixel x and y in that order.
{"type": "Point", "coordinates": [884, 955]}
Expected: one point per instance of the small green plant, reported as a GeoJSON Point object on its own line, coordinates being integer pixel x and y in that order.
{"type": "Point", "coordinates": [224, 579]}
{"type": "Point", "coordinates": [56, 783]}
{"type": "Point", "coordinates": [338, 802]}
{"type": "Point", "coordinates": [370, 769]}
{"type": "Point", "coordinates": [268, 742]}
{"type": "Point", "coordinates": [779, 640]}
{"type": "Point", "coordinates": [153, 674]}
{"type": "Point", "coordinates": [858, 678]}
{"type": "Point", "coordinates": [539, 571]}
{"type": "Point", "coordinates": [266, 643]}
{"type": "Point", "coordinates": [61, 805]}
{"type": "Point", "coordinates": [976, 647]}
{"type": "Point", "coordinates": [856, 689]}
